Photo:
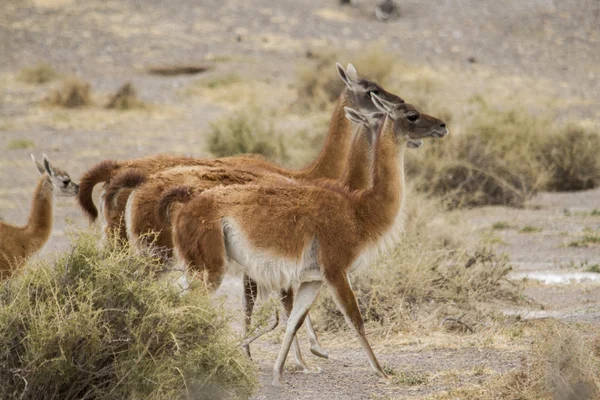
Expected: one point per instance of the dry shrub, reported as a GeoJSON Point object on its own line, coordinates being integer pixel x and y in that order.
{"type": "Point", "coordinates": [109, 324]}
{"type": "Point", "coordinates": [493, 162]}
{"type": "Point", "coordinates": [563, 364]}
{"type": "Point", "coordinates": [125, 98]}
{"type": "Point", "coordinates": [319, 85]}
{"type": "Point", "coordinates": [246, 133]}
{"type": "Point", "coordinates": [73, 93]}
{"type": "Point", "coordinates": [572, 154]}
{"type": "Point", "coordinates": [41, 73]}
{"type": "Point", "coordinates": [427, 270]}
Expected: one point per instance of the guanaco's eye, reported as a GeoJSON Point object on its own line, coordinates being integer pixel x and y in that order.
{"type": "Point", "coordinates": [375, 92]}
{"type": "Point", "coordinates": [66, 182]}
{"type": "Point", "coordinates": [413, 117]}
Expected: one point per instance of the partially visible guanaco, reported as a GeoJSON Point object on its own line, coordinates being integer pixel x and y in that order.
{"type": "Point", "coordinates": [18, 243]}
{"type": "Point", "coordinates": [304, 234]}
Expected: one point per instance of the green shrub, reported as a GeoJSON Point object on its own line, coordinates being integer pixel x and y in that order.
{"type": "Point", "coordinates": [572, 154]}
{"type": "Point", "coordinates": [246, 133]}
{"type": "Point", "coordinates": [108, 324]}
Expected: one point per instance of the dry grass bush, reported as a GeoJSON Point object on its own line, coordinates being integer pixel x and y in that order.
{"type": "Point", "coordinates": [37, 75]}
{"type": "Point", "coordinates": [319, 85]}
{"type": "Point", "coordinates": [125, 98]}
{"type": "Point", "coordinates": [108, 324]}
{"type": "Point", "coordinates": [74, 93]}
{"type": "Point", "coordinates": [430, 272]}
{"type": "Point", "coordinates": [495, 161]}
{"type": "Point", "coordinates": [564, 364]}
{"type": "Point", "coordinates": [245, 133]}
{"type": "Point", "coordinates": [572, 154]}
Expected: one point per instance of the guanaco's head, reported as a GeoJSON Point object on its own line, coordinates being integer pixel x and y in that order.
{"type": "Point", "coordinates": [361, 89]}
{"type": "Point", "coordinates": [408, 122]}
{"type": "Point", "coordinates": [372, 122]}
{"type": "Point", "coordinates": [61, 182]}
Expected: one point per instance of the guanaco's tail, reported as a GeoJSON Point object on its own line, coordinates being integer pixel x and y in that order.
{"type": "Point", "coordinates": [100, 172]}
{"type": "Point", "coordinates": [181, 194]}
{"type": "Point", "coordinates": [128, 179]}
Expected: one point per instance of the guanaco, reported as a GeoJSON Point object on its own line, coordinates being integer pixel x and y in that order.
{"type": "Point", "coordinates": [18, 243]}
{"type": "Point", "coordinates": [298, 234]}
{"type": "Point", "coordinates": [330, 162]}
{"type": "Point", "coordinates": [141, 219]}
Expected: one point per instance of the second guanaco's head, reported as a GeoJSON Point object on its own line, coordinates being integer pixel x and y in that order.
{"type": "Point", "coordinates": [361, 89]}
{"type": "Point", "coordinates": [61, 181]}
{"type": "Point", "coordinates": [372, 122]}
{"type": "Point", "coordinates": [408, 122]}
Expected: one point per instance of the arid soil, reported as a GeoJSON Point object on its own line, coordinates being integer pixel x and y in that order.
{"type": "Point", "coordinates": [524, 50]}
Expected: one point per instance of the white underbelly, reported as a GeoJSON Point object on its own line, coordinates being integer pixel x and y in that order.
{"type": "Point", "coordinates": [270, 272]}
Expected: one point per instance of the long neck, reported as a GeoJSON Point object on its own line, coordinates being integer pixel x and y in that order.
{"type": "Point", "coordinates": [358, 173]}
{"type": "Point", "coordinates": [380, 205]}
{"type": "Point", "coordinates": [39, 224]}
{"type": "Point", "coordinates": [333, 157]}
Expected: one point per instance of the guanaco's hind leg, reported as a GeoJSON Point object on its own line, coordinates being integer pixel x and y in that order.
{"type": "Point", "coordinates": [305, 297]}
{"type": "Point", "coordinates": [315, 346]}
{"type": "Point", "coordinates": [250, 293]}
{"type": "Point", "coordinates": [346, 301]}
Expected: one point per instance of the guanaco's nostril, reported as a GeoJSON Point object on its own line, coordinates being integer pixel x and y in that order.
{"type": "Point", "coordinates": [442, 125]}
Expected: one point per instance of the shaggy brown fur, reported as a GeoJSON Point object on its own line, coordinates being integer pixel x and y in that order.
{"type": "Point", "coordinates": [282, 221]}
{"type": "Point", "coordinates": [18, 243]}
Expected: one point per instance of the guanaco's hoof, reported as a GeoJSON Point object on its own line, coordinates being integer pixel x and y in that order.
{"type": "Point", "coordinates": [246, 350]}
{"type": "Point", "coordinates": [386, 380]}
{"type": "Point", "coordinates": [277, 382]}
{"type": "Point", "coordinates": [319, 351]}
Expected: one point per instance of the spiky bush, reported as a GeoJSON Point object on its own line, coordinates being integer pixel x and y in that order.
{"type": "Point", "coordinates": [73, 93]}
{"type": "Point", "coordinates": [37, 75]}
{"type": "Point", "coordinates": [571, 153]}
{"type": "Point", "coordinates": [246, 133]}
{"type": "Point", "coordinates": [494, 161]}
{"type": "Point", "coordinates": [101, 324]}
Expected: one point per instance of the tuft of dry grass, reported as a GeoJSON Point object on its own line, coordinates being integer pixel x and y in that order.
{"type": "Point", "coordinates": [246, 133]}
{"type": "Point", "coordinates": [73, 93]}
{"type": "Point", "coordinates": [37, 75]}
{"type": "Point", "coordinates": [125, 98]}
{"type": "Point", "coordinates": [107, 323]}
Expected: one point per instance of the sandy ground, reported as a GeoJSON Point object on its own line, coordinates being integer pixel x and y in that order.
{"type": "Point", "coordinates": [523, 50]}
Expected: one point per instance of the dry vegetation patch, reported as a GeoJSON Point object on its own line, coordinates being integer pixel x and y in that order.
{"type": "Point", "coordinates": [125, 98]}
{"type": "Point", "coordinates": [108, 324]}
{"type": "Point", "coordinates": [563, 364]}
{"type": "Point", "coordinates": [73, 93]}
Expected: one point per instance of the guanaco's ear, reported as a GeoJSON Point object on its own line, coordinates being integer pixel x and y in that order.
{"type": "Point", "coordinates": [414, 143]}
{"type": "Point", "coordinates": [352, 72]}
{"type": "Point", "coordinates": [344, 75]}
{"type": "Point", "coordinates": [355, 117]}
{"type": "Point", "coordinates": [39, 166]}
{"type": "Point", "coordinates": [381, 104]}
{"type": "Point", "coordinates": [47, 167]}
